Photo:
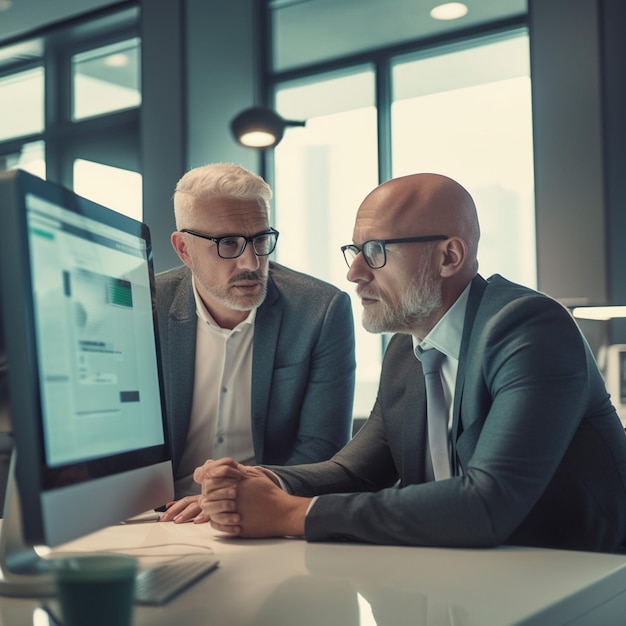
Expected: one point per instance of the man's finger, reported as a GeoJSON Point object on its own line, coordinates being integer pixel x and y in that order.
{"type": "Point", "coordinates": [209, 485]}
{"type": "Point", "coordinates": [215, 469]}
{"type": "Point", "coordinates": [230, 530]}
{"type": "Point", "coordinates": [187, 514]}
{"type": "Point", "coordinates": [224, 493]}
{"type": "Point", "coordinates": [201, 519]}
{"type": "Point", "coordinates": [221, 511]}
{"type": "Point", "coordinates": [172, 509]}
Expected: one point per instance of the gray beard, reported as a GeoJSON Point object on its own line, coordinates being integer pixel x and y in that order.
{"type": "Point", "coordinates": [239, 303]}
{"type": "Point", "coordinates": [422, 297]}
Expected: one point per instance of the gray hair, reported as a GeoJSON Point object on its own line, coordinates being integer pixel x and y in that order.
{"type": "Point", "coordinates": [218, 179]}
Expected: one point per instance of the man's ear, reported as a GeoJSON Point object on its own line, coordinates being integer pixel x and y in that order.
{"type": "Point", "coordinates": [454, 252]}
{"type": "Point", "coordinates": [179, 243]}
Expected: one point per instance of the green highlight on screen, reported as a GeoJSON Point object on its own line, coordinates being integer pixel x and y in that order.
{"type": "Point", "coordinates": [119, 292]}
{"type": "Point", "coordinates": [46, 234]}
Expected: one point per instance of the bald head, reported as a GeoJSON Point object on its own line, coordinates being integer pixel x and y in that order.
{"type": "Point", "coordinates": [423, 204]}
{"type": "Point", "coordinates": [412, 283]}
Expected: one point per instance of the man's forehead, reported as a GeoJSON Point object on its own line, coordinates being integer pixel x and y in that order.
{"type": "Point", "coordinates": [219, 204]}
{"type": "Point", "coordinates": [231, 210]}
{"type": "Point", "coordinates": [384, 222]}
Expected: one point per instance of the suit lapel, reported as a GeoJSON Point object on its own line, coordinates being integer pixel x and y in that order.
{"type": "Point", "coordinates": [181, 327]}
{"type": "Point", "coordinates": [414, 427]}
{"type": "Point", "coordinates": [477, 289]}
{"type": "Point", "coordinates": [266, 331]}
{"type": "Point", "coordinates": [402, 407]}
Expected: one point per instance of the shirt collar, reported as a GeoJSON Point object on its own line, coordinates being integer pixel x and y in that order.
{"type": "Point", "coordinates": [448, 331]}
{"type": "Point", "coordinates": [205, 316]}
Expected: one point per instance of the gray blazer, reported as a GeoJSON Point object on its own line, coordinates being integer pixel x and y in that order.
{"type": "Point", "coordinates": [539, 452]}
{"type": "Point", "coordinates": [303, 365]}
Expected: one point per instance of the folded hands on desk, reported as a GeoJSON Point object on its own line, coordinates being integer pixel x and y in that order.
{"type": "Point", "coordinates": [241, 501]}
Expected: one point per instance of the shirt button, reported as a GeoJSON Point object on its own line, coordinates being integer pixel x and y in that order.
{"type": "Point", "coordinates": [224, 389]}
{"type": "Point", "coordinates": [220, 439]}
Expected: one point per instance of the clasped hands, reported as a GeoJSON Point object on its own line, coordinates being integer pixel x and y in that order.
{"type": "Point", "coordinates": [241, 501]}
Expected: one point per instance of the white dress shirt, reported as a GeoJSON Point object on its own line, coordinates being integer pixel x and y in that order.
{"type": "Point", "coordinates": [221, 413]}
{"type": "Point", "coordinates": [446, 337]}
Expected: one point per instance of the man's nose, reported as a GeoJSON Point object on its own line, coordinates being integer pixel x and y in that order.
{"type": "Point", "coordinates": [359, 270]}
{"type": "Point", "coordinates": [248, 259]}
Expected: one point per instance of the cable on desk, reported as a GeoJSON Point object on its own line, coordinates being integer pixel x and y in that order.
{"type": "Point", "coordinates": [128, 551]}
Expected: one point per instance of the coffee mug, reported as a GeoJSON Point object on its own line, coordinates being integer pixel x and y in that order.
{"type": "Point", "coordinates": [96, 589]}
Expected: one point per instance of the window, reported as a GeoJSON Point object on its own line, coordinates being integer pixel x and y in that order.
{"type": "Point", "coordinates": [113, 187]}
{"type": "Point", "coordinates": [69, 107]}
{"type": "Point", "coordinates": [323, 171]}
{"type": "Point", "coordinates": [106, 79]}
{"type": "Point", "coordinates": [21, 95]}
{"type": "Point", "coordinates": [467, 114]}
{"type": "Point", "coordinates": [30, 157]}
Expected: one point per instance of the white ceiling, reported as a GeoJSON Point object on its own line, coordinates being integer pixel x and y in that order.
{"type": "Point", "coordinates": [25, 16]}
{"type": "Point", "coordinates": [314, 31]}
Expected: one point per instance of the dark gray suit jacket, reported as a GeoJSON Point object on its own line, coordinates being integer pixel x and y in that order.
{"type": "Point", "coordinates": [303, 365]}
{"type": "Point", "coordinates": [539, 452]}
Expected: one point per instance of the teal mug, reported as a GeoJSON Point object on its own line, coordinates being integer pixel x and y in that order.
{"type": "Point", "coordinates": [96, 589]}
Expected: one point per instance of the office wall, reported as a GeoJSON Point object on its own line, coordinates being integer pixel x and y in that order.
{"type": "Point", "coordinates": [199, 70]}
{"type": "Point", "coordinates": [222, 51]}
{"type": "Point", "coordinates": [579, 96]}
{"type": "Point", "coordinates": [567, 121]}
{"type": "Point", "coordinates": [577, 52]}
{"type": "Point", "coordinates": [613, 25]}
{"type": "Point", "coordinates": [163, 145]}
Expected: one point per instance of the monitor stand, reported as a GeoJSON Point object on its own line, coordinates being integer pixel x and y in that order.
{"type": "Point", "coordinates": [23, 572]}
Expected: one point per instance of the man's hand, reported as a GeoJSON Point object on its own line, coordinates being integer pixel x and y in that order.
{"type": "Point", "coordinates": [217, 479]}
{"type": "Point", "coordinates": [188, 508]}
{"type": "Point", "coordinates": [247, 502]}
{"type": "Point", "coordinates": [184, 510]}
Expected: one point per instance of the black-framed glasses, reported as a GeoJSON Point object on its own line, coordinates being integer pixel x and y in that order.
{"type": "Point", "coordinates": [232, 246]}
{"type": "Point", "coordinates": [374, 251]}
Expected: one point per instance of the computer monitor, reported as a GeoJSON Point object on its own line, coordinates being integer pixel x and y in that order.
{"type": "Point", "coordinates": [85, 405]}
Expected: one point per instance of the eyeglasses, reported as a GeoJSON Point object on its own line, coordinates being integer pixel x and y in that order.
{"type": "Point", "coordinates": [232, 246]}
{"type": "Point", "coordinates": [374, 251]}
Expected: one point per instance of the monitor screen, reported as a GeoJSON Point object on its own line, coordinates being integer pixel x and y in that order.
{"type": "Point", "coordinates": [85, 406]}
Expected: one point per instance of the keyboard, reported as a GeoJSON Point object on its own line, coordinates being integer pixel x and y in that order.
{"type": "Point", "coordinates": [160, 583]}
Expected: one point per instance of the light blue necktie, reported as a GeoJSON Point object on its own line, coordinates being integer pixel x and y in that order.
{"type": "Point", "coordinates": [437, 413]}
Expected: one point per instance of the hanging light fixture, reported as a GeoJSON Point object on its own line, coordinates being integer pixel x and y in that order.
{"type": "Point", "coordinates": [260, 127]}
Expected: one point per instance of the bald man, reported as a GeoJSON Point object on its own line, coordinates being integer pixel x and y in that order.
{"type": "Point", "coordinates": [537, 454]}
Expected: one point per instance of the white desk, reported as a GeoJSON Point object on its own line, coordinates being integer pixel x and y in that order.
{"type": "Point", "coordinates": [291, 583]}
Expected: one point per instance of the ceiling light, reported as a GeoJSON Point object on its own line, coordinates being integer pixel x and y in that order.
{"type": "Point", "coordinates": [115, 60]}
{"type": "Point", "coordinates": [5, 5]}
{"type": "Point", "coordinates": [449, 11]}
{"type": "Point", "coordinates": [260, 128]}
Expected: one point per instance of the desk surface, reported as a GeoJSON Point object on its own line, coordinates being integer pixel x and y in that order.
{"type": "Point", "coordinates": [290, 582]}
